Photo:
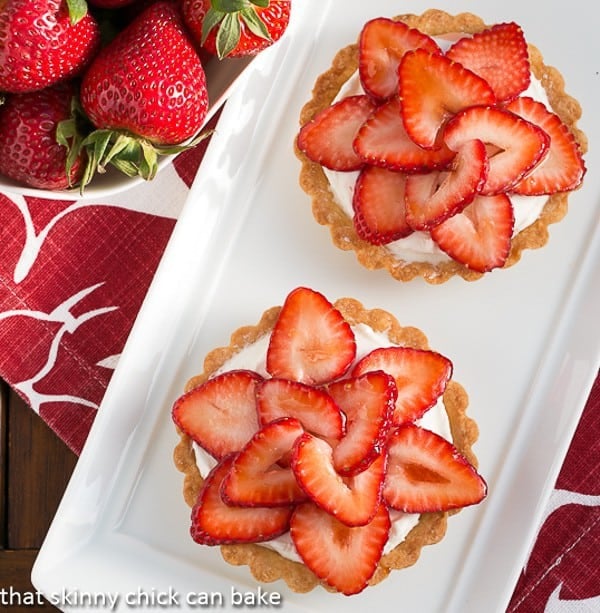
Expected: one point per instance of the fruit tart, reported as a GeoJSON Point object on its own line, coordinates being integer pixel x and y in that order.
{"type": "Point", "coordinates": [325, 445]}
{"type": "Point", "coordinates": [439, 146]}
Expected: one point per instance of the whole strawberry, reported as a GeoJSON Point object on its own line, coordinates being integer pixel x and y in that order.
{"type": "Point", "coordinates": [43, 42]}
{"type": "Point", "coordinates": [29, 151]}
{"type": "Point", "coordinates": [236, 28]}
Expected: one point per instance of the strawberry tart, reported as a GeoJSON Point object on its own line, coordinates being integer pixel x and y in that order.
{"type": "Point", "coordinates": [325, 445]}
{"type": "Point", "coordinates": [439, 146]}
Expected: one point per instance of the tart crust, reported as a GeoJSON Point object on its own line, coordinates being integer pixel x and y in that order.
{"type": "Point", "coordinates": [328, 213]}
{"type": "Point", "coordinates": [267, 565]}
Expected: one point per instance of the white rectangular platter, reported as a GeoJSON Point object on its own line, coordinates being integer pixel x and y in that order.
{"type": "Point", "coordinates": [524, 342]}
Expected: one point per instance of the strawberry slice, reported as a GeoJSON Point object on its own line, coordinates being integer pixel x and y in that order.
{"type": "Point", "coordinates": [480, 236]}
{"type": "Point", "coordinates": [352, 500]}
{"type": "Point", "coordinates": [499, 55]}
{"type": "Point", "coordinates": [515, 145]}
{"type": "Point", "coordinates": [344, 558]}
{"type": "Point", "coordinates": [427, 473]}
{"type": "Point", "coordinates": [216, 523]}
{"type": "Point", "coordinates": [433, 88]}
{"type": "Point", "coordinates": [378, 202]}
{"type": "Point", "coordinates": [254, 478]}
{"type": "Point", "coordinates": [383, 141]}
{"type": "Point", "coordinates": [327, 138]}
{"type": "Point", "coordinates": [421, 377]}
{"type": "Point", "coordinates": [433, 197]}
{"type": "Point", "coordinates": [310, 342]}
{"type": "Point", "coordinates": [206, 413]}
{"type": "Point", "coordinates": [563, 168]}
{"type": "Point", "coordinates": [368, 402]}
{"type": "Point", "coordinates": [313, 407]}
{"type": "Point", "coordinates": [381, 45]}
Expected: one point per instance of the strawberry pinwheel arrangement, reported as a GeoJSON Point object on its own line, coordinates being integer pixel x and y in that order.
{"type": "Point", "coordinates": [325, 445]}
{"type": "Point", "coordinates": [88, 85]}
{"type": "Point", "coordinates": [438, 145]}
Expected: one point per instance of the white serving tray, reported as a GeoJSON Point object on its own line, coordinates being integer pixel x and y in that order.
{"type": "Point", "coordinates": [524, 341]}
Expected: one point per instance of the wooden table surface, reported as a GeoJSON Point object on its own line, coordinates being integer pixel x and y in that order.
{"type": "Point", "coordinates": [35, 466]}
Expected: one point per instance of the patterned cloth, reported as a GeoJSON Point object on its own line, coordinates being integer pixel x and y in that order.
{"type": "Point", "coordinates": [73, 275]}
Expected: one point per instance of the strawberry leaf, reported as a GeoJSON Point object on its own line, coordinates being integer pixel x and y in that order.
{"type": "Point", "coordinates": [254, 23]}
{"type": "Point", "coordinates": [77, 10]}
{"type": "Point", "coordinates": [228, 34]}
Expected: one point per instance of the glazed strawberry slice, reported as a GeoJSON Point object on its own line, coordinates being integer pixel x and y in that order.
{"type": "Point", "coordinates": [433, 88]}
{"type": "Point", "coordinates": [327, 138]}
{"type": "Point", "coordinates": [480, 236]}
{"type": "Point", "coordinates": [368, 401]}
{"type": "Point", "coordinates": [216, 523]}
{"type": "Point", "coordinates": [515, 145]}
{"type": "Point", "coordinates": [207, 412]}
{"type": "Point", "coordinates": [383, 141]}
{"type": "Point", "coordinates": [421, 377]}
{"type": "Point", "coordinates": [378, 203]}
{"type": "Point", "coordinates": [381, 45]}
{"type": "Point", "coordinates": [254, 478]}
{"type": "Point", "coordinates": [427, 473]}
{"type": "Point", "coordinates": [499, 55]}
{"type": "Point", "coordinates": [352, 500]}
{"type": "Point", "coordinates": [343, 557]}
{"type": "Point", "coordinates": [310, 342]}
{"type": "Point", "coordinates": [563, 168]}
{"type": "Point", "coordinates": [433, 197]}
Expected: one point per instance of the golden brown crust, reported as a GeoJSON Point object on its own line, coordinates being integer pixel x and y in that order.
{"type": "Point", "coordinates": [267, 565]}
{"type": "Point", "coordinates": [328, 213]}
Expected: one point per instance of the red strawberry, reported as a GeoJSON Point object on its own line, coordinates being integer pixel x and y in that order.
{"type": "Point", "coordinates": [515, 146]}
{"type": "Point", "coordinates": [328, 138]}
{"type": "Point", "coordinates": [368, 401]}
{"type": "Point", "coordinates": [216, 523]}
{"type": "Point", "coordinates": [236, 29]}
{"type": "Point", "coordinates": [421, 377]}
{"type": "Point", "coordinates": [310, 342]}
{"type": "Point", "coordinates": [378, 203]}
{"type": "Point", "coordinates": [381, 45]}
{"type": "Point", "coordinates": [563, 168]}
{"type": "Point", "coordinates": [344, 558]}
{"type": "Point", "coordinates": [435, 196]}
{"type": "Point", "coordinates": [254, 479]}
{"type": "Point", "coordinates": [427, 473]}
{"type": "Point", "coordinates": [432, 89]}
{"type": "Point", "coordinates": [41, 43]}
{"type": "Point", "coordinates": [499, 55]}
{"type": "Point", "coordinates": [313, 407]}
{"type": "Point", "coordinates": [29, 151]}
{"type": "Point", "coordinates": [480, 236]}
{"type": "Point", "coordinates": [352, 500]}
{"type": "Point", "coordinates": [207, 412]}
{"type": "Point", "coordinates": [383, 141]}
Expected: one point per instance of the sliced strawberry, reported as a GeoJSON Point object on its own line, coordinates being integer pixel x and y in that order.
{"type": "Point", "coordinates": [433, 197]}
{"type": "Point", "coordinates": [344, 557]}
{"type": "Point", "coordinates": [254, 479]}
{"type": "Point", "coordinates": [352, 500]}
{"type": "Point", "coordinates": [480, 236]}
{"type": "Point", "coordinates": [206, 413]}
{"type": "Point", "coordinates": [368, 402]}
{"type": "Point", "coordinates": [515, 145]}
{"type": "Point", "coordinates": [311, 342]}
{"type": "Point", "coordinates": [215, 523]}
{"type": "Point", "coordinates": [327, 138]}
{"type": "Point", "coordinates": [383, 141]}
{"type": "Point", "coordinates": [563, 168]}
{"type": "Point", "coordinates": [432, 89]}
{"type": "Point", "coordinates": [378, 202]}
{"type": "Point", "coordinates": [421, 377]}
{"type": "Point", "coordinates": [313, 407]}
{"type": "Point", "coordinates": [498, 54]}
{"type": "Point", "coordinates": [427, 473]}
{"type": "Point", "coordinates": [381, 45]}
